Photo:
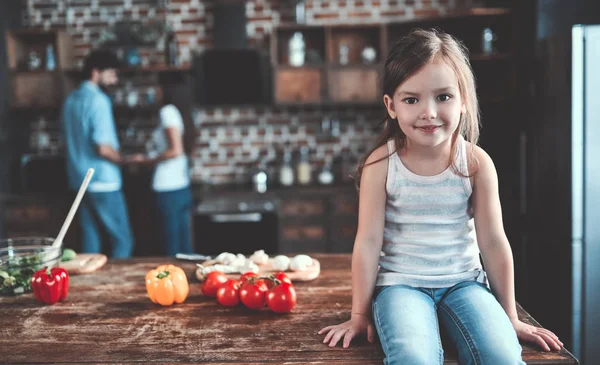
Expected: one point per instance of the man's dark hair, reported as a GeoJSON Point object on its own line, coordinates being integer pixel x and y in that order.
{"type": "Point", "coordinates": [100, 59]}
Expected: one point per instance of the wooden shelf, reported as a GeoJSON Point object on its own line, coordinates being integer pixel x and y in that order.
{"type": "Point", "coordinates": [20, 42]}
{"type": "Point", "coordinates": [118, 109]}
{"type": "Point", "coordinates": [332, 104]}
{"type": "Point", "coordinates": [35, 72]}
{"type": "Point", "coordinates": [297, 26]}
{"type": "Point", "coordinates": [356, 83]}
{"type": "Point", "coordinates": [461, 13]}
{"type": "Point", "coordinates": [149, 69]}
{"type": "Point", "coordinates": [487, 11]}
{"type": "Point", "coordinates": [155, 68]}
{"type": "Point", "coordinates": [40, 87]}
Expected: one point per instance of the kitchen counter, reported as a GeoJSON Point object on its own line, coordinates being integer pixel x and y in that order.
{"type": "Point", "coordinates": [220, 194]}
{"type": "Point", "coordinates": [108, 319]}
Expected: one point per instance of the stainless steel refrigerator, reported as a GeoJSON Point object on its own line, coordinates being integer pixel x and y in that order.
{"type": "Point", "coordinates": [585, 159]}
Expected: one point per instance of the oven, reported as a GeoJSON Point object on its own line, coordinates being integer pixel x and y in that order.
{"type": "Point", "coordinates": [236, 226]}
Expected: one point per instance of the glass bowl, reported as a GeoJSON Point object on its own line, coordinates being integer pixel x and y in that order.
{"type": "Point", "coordinates": [21, 257]}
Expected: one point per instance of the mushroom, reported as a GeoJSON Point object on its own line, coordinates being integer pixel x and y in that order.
{"type": "Point", "coordinates": [249, 267]}
{"type": "Point", "coordinates": [240, 260]}
{"type": "Point", "coordinates": [259, 257]}
{"type": "Point", "coordinates": [225, 258]}
{"type": "Point", "coordinates": [300, 262]}
{"type": "Point", "coordinates": [281, 263]}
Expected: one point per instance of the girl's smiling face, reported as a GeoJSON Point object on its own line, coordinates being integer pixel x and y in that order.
{"type": "Point", "coordinates": [427, 105]}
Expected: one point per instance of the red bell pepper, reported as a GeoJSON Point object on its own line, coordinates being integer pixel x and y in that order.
{"type": "Point", "coordinates": [50, 285]}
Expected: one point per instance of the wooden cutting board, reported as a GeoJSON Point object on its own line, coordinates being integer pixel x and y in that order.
{"type": "Point", "coordinates": [84, 263]}
{"type": "Point", "coordinates": [311, 273]}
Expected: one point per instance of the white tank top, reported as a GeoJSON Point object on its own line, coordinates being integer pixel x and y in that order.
{"type": "Point", "coordinates": [429, 236]}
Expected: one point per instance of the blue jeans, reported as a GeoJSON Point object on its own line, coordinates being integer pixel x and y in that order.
{"type": "Point", "coordinates": [105, 213]}
{"type": "Point", "coordinates": [174, 214]}
{"type": "Point", "coordinates": [408, 323]}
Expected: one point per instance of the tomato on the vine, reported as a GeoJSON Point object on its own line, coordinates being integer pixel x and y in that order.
{"type": "Point", "coordinates": [212, 282]}
{"type": "Point", "coordinates": [246, 276]}
{"type": "Point", "coordinates": [253, 295]}
{"type": "Point", "coordinates": [228, 293]}
{"type": "Point", "coordinates": [282, 298]}
{"type": "Point", "coordinates": [281, 276]}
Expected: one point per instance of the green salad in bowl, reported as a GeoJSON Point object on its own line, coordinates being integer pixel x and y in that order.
{"type": "Point", "coordinates": [21, 257]}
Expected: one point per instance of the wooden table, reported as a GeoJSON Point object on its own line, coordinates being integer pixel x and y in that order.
{"type": "Point", "coordinates": [108, 319]}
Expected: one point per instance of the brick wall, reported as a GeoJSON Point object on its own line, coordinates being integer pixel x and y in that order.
{"type": "Point", "coordinates": [231, 141]}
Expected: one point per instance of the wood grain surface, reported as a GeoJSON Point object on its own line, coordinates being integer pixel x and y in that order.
{"type": "Point", "coordinates": [84, 263]}
{"type": "Point", "coordinates": [108, 319]}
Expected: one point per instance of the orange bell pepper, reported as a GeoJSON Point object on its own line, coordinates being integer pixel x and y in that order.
{"type": "Point", "coordinates": [167, 284]}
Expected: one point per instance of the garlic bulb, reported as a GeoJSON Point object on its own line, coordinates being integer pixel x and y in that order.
{"type": "Point", "coordinates": [300, 263]}
{"type": "Point", "coordinates": [281, 263]}
{"type": "Point", "coordinates": [225, 258]}
{"type": "Point", "coordinates": [259, 257]}
{"type": "Point", "coordinates": [240, 260]}
{"type": "Point", "coordinates": [249, 267]}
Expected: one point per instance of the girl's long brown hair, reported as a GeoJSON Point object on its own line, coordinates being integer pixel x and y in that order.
{"type": "Point", "coordinates": [180, 97]}
{"type": "Point", "coordinates": [406, 58]}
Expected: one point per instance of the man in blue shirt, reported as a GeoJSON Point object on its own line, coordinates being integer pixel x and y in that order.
{"type": "Point", "coordinates": [91, 141]}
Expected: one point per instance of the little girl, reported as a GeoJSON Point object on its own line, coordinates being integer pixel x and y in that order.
{"type": "Point", "coordinates": [425, 189]}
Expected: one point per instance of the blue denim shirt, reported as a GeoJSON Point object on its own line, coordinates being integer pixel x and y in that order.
{"type": "Point", "coordinates": [87, 121]}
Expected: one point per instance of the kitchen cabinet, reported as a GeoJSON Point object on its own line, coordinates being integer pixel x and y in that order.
{"type": "Point", "coordinates": [334, 69]}
{"type": "Point", "coordinates": [318, 222]}
{"type": "Point", "coordinates": [349, 57]}
{"type": "Point", "coordinates": [317, 218]}
{"type": "Point", "coordinates": [303, 224]}
{"type": "Point", "coordinates": [299, 85]}
{"type": "Point", "coordinates": [343, 221]}
{"type": "Point", "coordinates": [22, 44]}
{"type": "Point", "coordinates": [354, 84]}
{"type": "Point", "coordinates": [36, 89]}
{"type": "Point", "coordinates": [34, 84]}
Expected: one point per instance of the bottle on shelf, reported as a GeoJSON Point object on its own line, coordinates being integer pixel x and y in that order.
{"type": "Point", "coordinates": [34, 61]}
{"type": "Point", "coordinates": [171, 48]}
{"type": "Point", "coordinates": [488, 37]}
{"type": "Point", "coordinates": [344, 53]}
{"type": "Point", "coordinates": [304, 173]}
{"type": "Point", "coordinates": [259, 178]}
{"type": "Point", "coordinates": [50, 60]}
{"type": "Point", "coordinates": [296, 48]}
{"type": "Point", "coordinates": [300, 11]}
{"type": "Point", "coordinates": [326, 174]}
{"type": "Point", "coordinates": [286, 172]}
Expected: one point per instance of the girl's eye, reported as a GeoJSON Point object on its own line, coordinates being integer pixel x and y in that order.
{"type": "Point", "coordinates": [444, 97]}
{"type": "Point", "coordinates": [410, 100]}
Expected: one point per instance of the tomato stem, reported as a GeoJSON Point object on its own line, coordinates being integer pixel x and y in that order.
{"type": "Point", "coordinates": [270, 277]}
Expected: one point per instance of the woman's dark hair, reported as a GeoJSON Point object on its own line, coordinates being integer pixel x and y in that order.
{"type": "Point", "coordinates": [99, 59]}
{"type": "Point", "coordinates": [179, 95]}
{"type": "Point", "coordinates": [405, 59]}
